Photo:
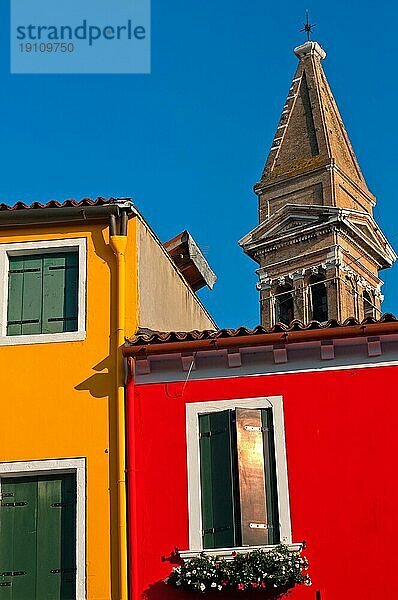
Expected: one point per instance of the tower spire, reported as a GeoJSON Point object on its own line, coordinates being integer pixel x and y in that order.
{"type": "Point", "coordinates": [311, 130]}
{"type": "Point", "coordinates": [317, 244]}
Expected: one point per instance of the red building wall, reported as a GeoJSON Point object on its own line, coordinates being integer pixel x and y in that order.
{"type": "Point", "coordinates": [341, 441]}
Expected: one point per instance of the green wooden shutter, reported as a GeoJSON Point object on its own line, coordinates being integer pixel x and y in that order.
{"type": "Point", "coordinates": [38, 538]}
{"type": "Point", "coordinates": [60, 276]}
{"type": "Point", "coordinates": [72, 288]}
{"type": "Point", "coordinates": [18, 513]}
{"type": "Point", "coordinates": [56, 539]}
{"type": "Point", "coordinates": [43, 293]}
{"type": "Point", "coordinates": [32, 295]}
{"type": "Point", "coordinates": [251, 469]}
{"type": "Point", "coordinates": [15, 294]}
{"type": "Point", "coordinates": [270, 476]}
{"type": "Point", "coordinates": [68, 539]}
{"type": "Point", "coordinates": [217, 480]}
{"type": "Point", "coordinates": [24, 295]}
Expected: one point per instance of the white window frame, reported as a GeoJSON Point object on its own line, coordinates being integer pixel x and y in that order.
{"type": "Point", "coordinates": [43, 247]}
{"type": "Point", "coordinates": [76, 466]}
{"type": "Point", "coordinates": [193, 410]}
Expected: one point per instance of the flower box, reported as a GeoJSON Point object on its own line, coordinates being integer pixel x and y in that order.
{"type": "Point", "coordinates": [272, 573]}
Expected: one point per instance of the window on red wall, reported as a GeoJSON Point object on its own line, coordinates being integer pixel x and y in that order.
{"type": "Point", "coordinates": [238, 481]}
{"type": "Point", "coordinates": [237, 474]}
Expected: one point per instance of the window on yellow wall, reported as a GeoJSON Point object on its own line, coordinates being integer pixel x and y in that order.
{"type": "Point", "coordinates": [44, 296]}
{"type": "Point", "coordinates": [43, 293]}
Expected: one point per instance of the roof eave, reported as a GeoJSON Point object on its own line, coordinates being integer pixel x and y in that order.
{"type": "Point", "coordinates": [60, 215]}
{"type": "Point", "coordinates": [282, 337]}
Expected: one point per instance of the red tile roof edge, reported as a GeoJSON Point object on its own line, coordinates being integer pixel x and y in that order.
{"type": "Point", "coordinates": [69, 203]}
{"type": "Point", "coordinates": [163, 337]}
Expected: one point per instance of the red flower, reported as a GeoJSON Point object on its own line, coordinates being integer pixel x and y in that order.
{"type": "Point", "coordinates": [254, 584]}
{"type": "Point", "coordinates": [224, 582]}
{"type": "Point", "coordinates": [263, 584]}
{"type": "Point", "coordinates": [241, 586]}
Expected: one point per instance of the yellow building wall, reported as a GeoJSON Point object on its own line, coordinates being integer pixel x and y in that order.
{"type": "Point", "coordinates": [58, 398]}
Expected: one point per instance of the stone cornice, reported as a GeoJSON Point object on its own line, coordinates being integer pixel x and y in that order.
{"type": "Point", "coordinates": [296, 239]}
{"type": "Point", "coordinates": [348, 237]}
{"type": "Point", "coordinates": [294, 211]}
{"type": "Point", "coordinates": [260, 247]}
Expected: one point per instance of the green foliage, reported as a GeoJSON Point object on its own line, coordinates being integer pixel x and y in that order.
{"type": "Point", "coordinates": [278, 569]}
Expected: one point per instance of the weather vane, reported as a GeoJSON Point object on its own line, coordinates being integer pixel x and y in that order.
{"type": "Point", "coordinates": [308, 27]}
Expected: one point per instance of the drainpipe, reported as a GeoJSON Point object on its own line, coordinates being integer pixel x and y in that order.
{"type": "Point", "coordinates": [132, 470]}
{"type": "Point", "coordinates": [118, 243]}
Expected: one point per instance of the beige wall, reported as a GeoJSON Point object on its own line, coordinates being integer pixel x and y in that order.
{"type": "Point", "coordinates": [166, 302]}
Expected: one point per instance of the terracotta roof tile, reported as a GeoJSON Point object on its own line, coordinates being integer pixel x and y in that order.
{"type": "Point", "coordinates": [147, 337]}
{"type": "Point", "coordinates": [70, 203]}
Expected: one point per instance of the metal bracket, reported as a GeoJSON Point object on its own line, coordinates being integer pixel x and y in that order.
{"type": "Point", "coordinates": [215, 529]}
{"type": "Point", "coordinates": [254, 428]}
{"type": "Point", "coordinates": [211, 433]}
{"type": "Point", "coordinates": [6, 495]}
{"type": "Point", "coordinates": [58, 571]}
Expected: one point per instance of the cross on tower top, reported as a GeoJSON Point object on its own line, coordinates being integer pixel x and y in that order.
{"type": "Point", "coordinates": [308, 27]}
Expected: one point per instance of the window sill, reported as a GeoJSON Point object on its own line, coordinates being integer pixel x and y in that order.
{"type": "Point", "coordinates": [42, 338]}
{"type": "Point", "coordinates": [229, 553]}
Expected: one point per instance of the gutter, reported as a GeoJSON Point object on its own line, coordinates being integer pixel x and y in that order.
{"type": "Point", "coordinates": [266, 339]}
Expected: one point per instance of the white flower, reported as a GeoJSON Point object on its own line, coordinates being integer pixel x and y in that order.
{"type": "Point", "coordinates": [214, 584]}
{"type": "Point", "coordinates": [219, 587]}
{"type": "Point", "coordinates": [202, 587]}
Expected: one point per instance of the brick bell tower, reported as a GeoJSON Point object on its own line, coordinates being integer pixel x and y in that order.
{"type": "Point", "coordinates": [317, 244]}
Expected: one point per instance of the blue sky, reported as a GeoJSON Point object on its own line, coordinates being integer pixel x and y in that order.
{"type": "Point", "coordinates": [188, 141]}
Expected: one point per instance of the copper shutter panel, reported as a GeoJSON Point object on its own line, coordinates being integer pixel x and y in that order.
{"type": "Point", "coordinates": [251, 468]}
